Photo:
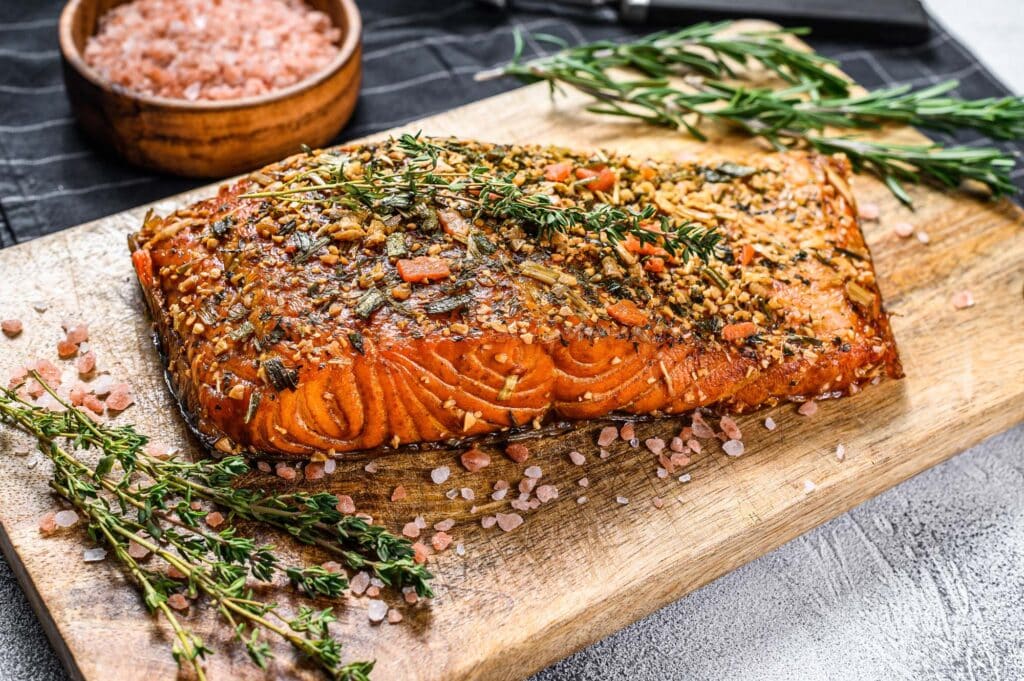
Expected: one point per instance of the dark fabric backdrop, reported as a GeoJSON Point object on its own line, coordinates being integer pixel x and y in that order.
{"type": "Point", "coordinates": [419, 59]}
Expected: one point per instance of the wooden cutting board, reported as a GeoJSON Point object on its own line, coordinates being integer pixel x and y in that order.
{"type": "Point", "coordinates": [573, 573]}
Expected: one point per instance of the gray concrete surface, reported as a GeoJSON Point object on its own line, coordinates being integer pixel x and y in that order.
{"type": "Point", "coordinates": [925, 581]}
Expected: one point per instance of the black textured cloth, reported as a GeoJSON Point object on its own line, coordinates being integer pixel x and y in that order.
{"type": "Point", "coordinates": [419, 59]}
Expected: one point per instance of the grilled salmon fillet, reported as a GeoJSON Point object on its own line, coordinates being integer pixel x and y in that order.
{"type": "Point", "coordinates": [426, 290]}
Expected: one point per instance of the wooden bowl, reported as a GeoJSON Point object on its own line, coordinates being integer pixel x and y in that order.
{"type": "Point", "coordinates": [211, 139]}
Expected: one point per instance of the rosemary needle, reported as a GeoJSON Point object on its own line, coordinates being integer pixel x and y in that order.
{"type": "Point", "coordinates": [130, 498]}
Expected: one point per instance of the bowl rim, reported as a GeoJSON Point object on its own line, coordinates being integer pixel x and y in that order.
{"type": "Point", "coordinates": [349, 46]}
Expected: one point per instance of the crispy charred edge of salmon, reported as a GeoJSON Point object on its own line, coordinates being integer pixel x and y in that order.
{"type": "Point", "coordinates": [177, 373]}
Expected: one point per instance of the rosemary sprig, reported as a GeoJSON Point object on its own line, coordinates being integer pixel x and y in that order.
{"type": "Point", "coordinates": [421, 178]}
{"type": "Point", "coordinates": [131, 497]}
{"type": "Point", "coordinates": [701, 49]}
{"type": "Point", "coordinates": [799, 115]}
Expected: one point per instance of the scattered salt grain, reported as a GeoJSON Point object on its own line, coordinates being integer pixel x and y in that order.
{"type": "Point", "coordinates": [345, 504]}
{"type": "Point", "coordinates": [869, 211]}
{"type": "Point", "coordinates": [903, 230]}
{"type": "Point", "coordinates": [214, 519]}
{"type": "Point", "coordinates": [685, 477]}
{"type": "Point", "coordinates": [11, 327]}
{"type": "Point", "coordinates": [137, 550]}
{"type": "Point", "coordinates": [923, 237]}
{"type": "Point", "coordinates": [700, 427]}
{"type": "Point", "coordinates": [314, 470]}
{"type": "Point", "coordinates": [533, 472]}
{"type": "Point", "coordinates": [963, 300]}
{"type": "Point", "coordinates": [509, 521]}
{"type": "Point", "coordinates": [332, 566]}
{"type": "Point", "coordinates": [451, 494]}
{"type": "Point", "coordinates": [520, 504]}
{"type": "Point", "coordinates": [499, 494]}
{"type": "Point", "coordinates": [604, 454]}
{"type": "Point", "coordinates": [467, 494]}
{"type": "Point", "coordinates": [627, 431]}
{"type": "Point", "coordinates": [411, 530]}
{"type": "Point", "coordinates": [419, 552]}
{"type": "Point", "coordinates": [526, 485]}
{"type": "Point", "coordinates": [409, 595]}
{"type": "Point", "coordinates": [488, 521]}
{"type": "Point", "coordinates": [770, 424]}
{"type": "Point", "coordinates": [729, 427]}
{"type": "Point", "coordinates": [655, 444]}
{"type": "Point", "coordinates": [475, 460]}
{"type": "Point", "coordinates": [440, 474]}
{"type": "Point", "coordinates": [94, 555]}
{"type": "Point", "coordinates": [583, 482]}
{"type": "Point", "coordinates": [622, 500]}
{"type": "Point", "coordinates": [286, 473]}
{"type": "Point", "coordinates": [421, 522]}
{"type": "Point", "coordinates": [460, 549]}
{"type": "Point", "coordinates": [86, 363]}
{"type": "Point", "coordinates": [677, 444]}
{"type": "Point", "coordinates": [581, 500]}
{"type": "Point", "coordinates": [376, 610]}
{"type": "Point", "coordinates": [809, 486]}
{"type": "Point", "coordinates": [577, 458]}
{"type": "Point", "coordinates": [694, 445]}
{"type": "Point", "coordinates": [371, 467]}
{"type": "Point", "coordinates": [64, 519]}
{"type": "Point", "coordinates": [840, 452]}
{"type": "Point", "coordinates": [441, 541]}
{"type": "Point", "coordinates": [546, 493]}
{"type": "Point", "coordinates": [178, 602]}
{"type": "Point", "coordinates": [607, 436]}
{"type": "Point", "coordinates": [394, 616]}
{"type": "Point", "coordinates": [808, 408]}
{"type": "Point", "coordinates": [101, 385]}
{"type": "Point", "coordinates": [398, 493]}
{"type": "Point", "coordinates": [662, 473]}
{"type": "Point", "coordinates": [330, 466]}
{"type": "Point", "coordinates": [444, 525]}
{"type": "Point", "coordinates": [733, 447]}
{"type": "Point", "coordinates": [658, 502]}
{"type": "Point", "coordinates": [517, 452]}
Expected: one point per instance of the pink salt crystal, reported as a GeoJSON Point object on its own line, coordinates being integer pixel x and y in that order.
{"type": "Point", "coordinates": [394, 616]}
{"type": "Point", "coordinates": [903, 230]}
{"type": "Point", "coordinates": [499, 494]}
{"type": "Point", "coordinates": [509, 521]}
{"type": "Point", "coordinates": [359, 582]}
{"type": "Point", "coordinates": [677, 445]}
{"type": "Point", "coordinates": [177, 602]}
{"type": "Point", "coordinates": [11, 327]}
{"type": "Point", "coordinates": [444, 525]}
{"type": "Point", "coordinates": [373, 590]}
{"type": "Point", "coordinates": [622, 500]}
{"type": "Point", "coordinates": [376, 610]}
{"type": "Point", "coordinates": [286, 473]}
{"type": "Point", "coordinates": [488, 521]}
{"type": "Point", "coordinates": [330, 466]}
{"type": "Point", "coordinates": [729, 427]}
{"type": "Point", "coordinates": [419, 552]}
{"type": "Point", "coordinates": [371, 467]}
{"type": "Point", "coordinates": [421, 522]}
{"type": "Point", "coordinates": [440, 474]}
{"type": "Point", "coordinates": [500, 485]}
{"type": "Point", "coordinates": [65, 519]}
{"type": "Point", "coordinates": [78, 334]}
{"type": "Point", "coordinates": [101, 385]}
{"type": "Point", "coordinates": [517, 452]}
{"type": "Point", "coordinates": [808, 408]}
{"type": "Point", "coordinates": [526, 485]}
{"type": "Point", "coordinates": [331, 566]}
{"type": "Point", "coordinates": [398, 493]}
{"type": "Point", "coordinates": [581, 500]}
{"type": "Point", "coordinates": [627, 431]}
{"type": "Point", "coordinates": [475, 460]}
{"type": "Point", "coordinates": [869, 211]}
{"type": "Point", "coordinates": [679, 459]}
{"type": "Point", "coordinates": [963, 300]}
{"type": "Point", "coordinates": [411, 530]}
{"type": "Point", "coordinates": [694, 445]}
{"type": "Point", "coordinates": [583, 482]}
{"type": "Point", "coordinates": [658, 503]}
{"type": "Point", "coordinates": [77, 395]}
{"type": "Point", "coordinates": [607, 436]}
{"type": "Point", "coordinates": [158, 450]}
{"type": "Point", "coordinates": [314, 470]}
{"type": "Point", "coordinates": [467, 494]}
{"type": "Point", "coordinates": [93, 404]}
{"type": "Point", "coordinates": [603, 453]}
{"type": "Point", "coordinates": [120, 399]}
{"type": "Point", "coordinates": [409, 595]}
{"type": "Point", "coordinates": [769, 423]}
{"type": "Point", "coordinates": [655, 444]}
{"type": "Point", "coordinates": [440, 541]}
{"type": "Point", "coordinates": [49, 403]}
{"type": "Point", "coordinates": [214, 519]}
{"type": "Point", "coordinates": [662, 473]}
{"type": "Point", "coordinates": [137, 550]}
{"type": "Point", "coordinates": [546, 493]}
{"type": "Point", "coordinates": [700, 427]}
{"type": "Point", "coordinates": [263, 466]}
{"type": "Point", "coordinates": [49, 371]}
{"type": "Point", "coordinates": [520, 504]}
{"type": "Point", "coordinates": [733, 447]}
{"type": "Point", "coordinates": [48, 524]}
{"type": "Point", "coordinates": [533, 472]}
{"type": "Point", "coordinates": [577, 458]}
{"type": "Point", "coordinates": [533, 504]}
{"type": "Point", "coordinates": [345, 504]}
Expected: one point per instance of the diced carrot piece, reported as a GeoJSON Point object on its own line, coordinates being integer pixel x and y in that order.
{"type": "Point", "coordinates": [143, 267]}
{"type": "Point", "coordinates": [423, 269]}
{"type": "Point", "coordinates": [634, 245]}
{"type": "Point", "coordinates": [747, 255]}
{"type": "Point", "coordinates": [626, 312]}
{"type": "Point", "coordinates": [604, 178]}
{"type": "Point", "coordinates": [558, 172]}
{"type": "Point", "coordinates": [453, 223]}
{"type": "Point", "coordinates": [655, 264]}
{"type": "Point", "coordinates": [647, 172]}
{"type": "Point", "coordinates": [739, 331]}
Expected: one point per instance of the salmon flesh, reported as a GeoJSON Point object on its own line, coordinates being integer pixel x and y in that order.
{"type": "Point", "coordinates": [338, 301]}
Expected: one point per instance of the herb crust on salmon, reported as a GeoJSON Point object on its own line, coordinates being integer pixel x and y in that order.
{"type": "Point", "coordinates": [421, 290]}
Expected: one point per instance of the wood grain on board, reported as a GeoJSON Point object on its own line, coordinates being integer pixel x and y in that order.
{"type": "Point", "coordinates": [573, 573]}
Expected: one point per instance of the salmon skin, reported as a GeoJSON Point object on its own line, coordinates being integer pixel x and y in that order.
{"type": "Point", "coordinates": [320, 317]}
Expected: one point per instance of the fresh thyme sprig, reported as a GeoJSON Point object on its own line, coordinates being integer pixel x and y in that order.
{"type": "Point", "coordinates": [129, 497]}
{"type": "Point", "coordinates": [702, 49]}
{"type": "Point", "coordinates": [798, 115]}
{"type": "Point", "coordinates": [422, 179]}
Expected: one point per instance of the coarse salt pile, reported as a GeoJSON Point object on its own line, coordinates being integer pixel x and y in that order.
{"type": "Point", "coordinates": [196, 49]}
